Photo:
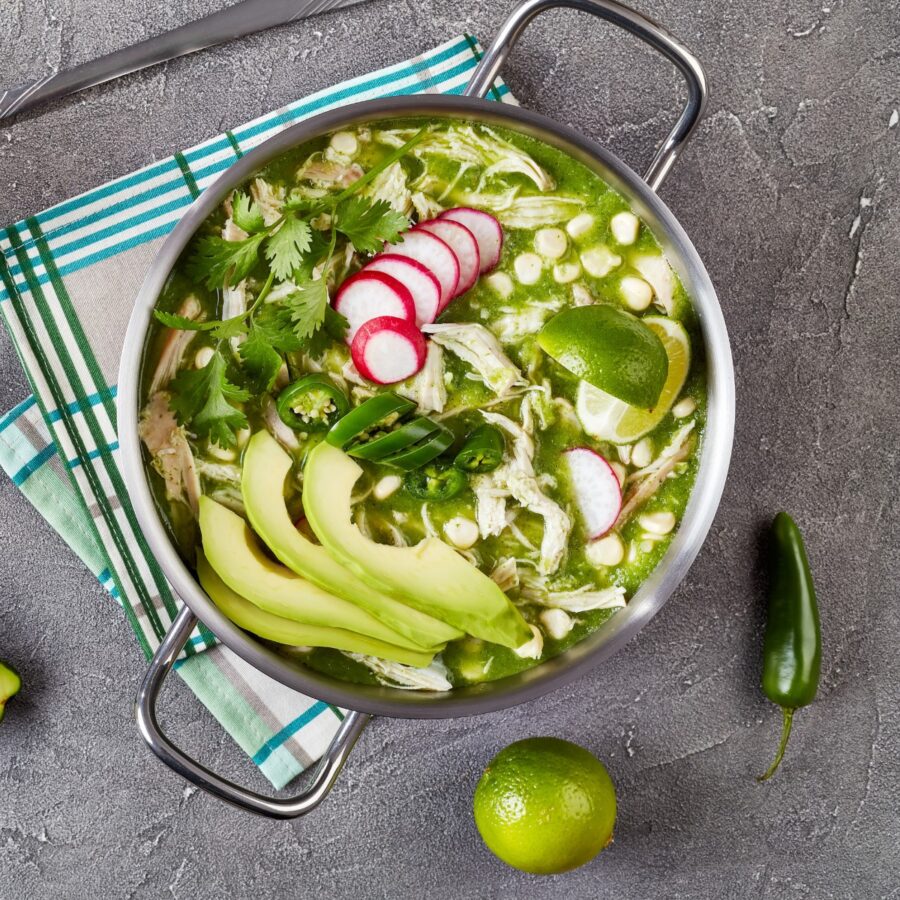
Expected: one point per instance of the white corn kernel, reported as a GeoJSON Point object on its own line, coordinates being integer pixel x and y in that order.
{"type": "Point", "coordinates": [344, 143]}
{"type": "Point", "coordinates": [637, 294]}
{"type": "Point", "coordinates": [624, 452]}
{"type": "Point", "coordinates": [580, 225]}
{"type": "Point", "coordinates": [581, 296]}
{"type": "Point", "coordinates": [533, 648]}
{"type": "Point", "coordinates": [645, 546]}
{"type": "Point", "coordinates": [528, 267]}
{"type": "Point", "coordinates": [600, 260]}
{"type": "Point", "coordinates": [204, 355]}
{"type": "Point", "coordinates": [657, 522]}
{"type": "Point", "coordinates": [624, 227]}
{"type": "Point", "coordinates": [461, 532]}
{"type": "Point", "coordinates": [501, 283]}
{"type": "Point", "coordinates": [386, 486]}
{"type": "Point", "coordinates": [557, 623]}
{"type": "Point", "coordinates": [619, 471]}
{"type": "Point", "coordinates": [606, 551]}
{"type": "Point", "coordinates": [566, 272]}
{"type": "Point", "coordinates": [551, 242]}
{"type": "Point", "coordinates": [642, 453]}
{"type": "Point", "coordinates": [683, 408]}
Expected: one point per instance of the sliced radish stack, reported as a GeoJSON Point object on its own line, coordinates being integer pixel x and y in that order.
{"type": "Point", "coordinates": [370, 295]}
{"type": "Point", "coordinates": [418, 280]}
{"type": "Point", "coordinates": [388, 349]}
{"type": "Point", "coordinates": [596, 488]}
{"type": "Point", "coordinates": [486, 230]}
{"type": "Point", "coordinates": [462, 242]}
{"type": "Point", "coordinates": [435, 255]}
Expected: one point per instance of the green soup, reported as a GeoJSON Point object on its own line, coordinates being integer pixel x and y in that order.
{"type": "Point", "coordinates": [568, 239]}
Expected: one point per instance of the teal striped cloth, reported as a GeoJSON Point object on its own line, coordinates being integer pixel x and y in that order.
{"type": "Point", "coordinates": [67, 279]}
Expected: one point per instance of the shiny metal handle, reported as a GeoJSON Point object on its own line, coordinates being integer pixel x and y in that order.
{"type": "Point", "coordinates": [145, 710]}
{"type": "Point", "coordinates": [646, 29]}
{"type": "Point", "coordinates": [237, 20]}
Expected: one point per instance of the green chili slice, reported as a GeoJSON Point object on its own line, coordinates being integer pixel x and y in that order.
{"type": "Point", "coordinates": [435, 482]}
{"type": "Point", "coordinates": [422, 453]}
{"type": "Point", "coordinates": [394, 441]}
{"type": "Point", "coordinates": [482, 451]}
{"type": "Point", "coordinates": [368, 414]}
{"type": "Point", "coordinates": [792, 650]}
{"type": "Point", "coordinates": [312, 403]}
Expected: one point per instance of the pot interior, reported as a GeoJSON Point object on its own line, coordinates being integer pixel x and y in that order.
{"type": "Point", "coordinates": [714, 451]}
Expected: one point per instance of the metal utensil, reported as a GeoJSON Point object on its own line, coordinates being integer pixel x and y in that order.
{"type": "Point", "coordinates": [715, 450]}
{"type": "Point", "coordinates": [246, 17]}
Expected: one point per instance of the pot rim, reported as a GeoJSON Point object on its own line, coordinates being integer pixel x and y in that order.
{"type": "Point", "coordinates": [715, 449]}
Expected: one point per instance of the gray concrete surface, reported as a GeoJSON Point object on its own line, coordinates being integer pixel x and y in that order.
{"type": "Point", "coordinates": [790, 192]}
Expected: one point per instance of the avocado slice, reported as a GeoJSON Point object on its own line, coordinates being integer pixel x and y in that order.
{"type": "Point", "coordinates": [265, 467]}
{"type": "Point", "coordinates": [430, 576]}
{"type": "Point", "coordinates": [235, 554]}
{"type": "Point", "coordinates": [10, 684]}
{"type": "Point", "coordinates": [284, 631]}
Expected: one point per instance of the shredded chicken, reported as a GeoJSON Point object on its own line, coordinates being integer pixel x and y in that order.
{"type": "Point", "coordinates": [391, 186]}
{"type": "Point", "coordinates": [171, 454]}
{"type": "Point", "coordinates": [425, 207]}
{"type": "Point", "coordinates": [645, 482]}
{"type": "Point", "coordinates": [432, 678]}
{"type": "Point", "coordinates": [478, 347]}
{"type": "Point", "coordinates": [506, 574]}
{"type": "Point", "coordinates": [269, 199]}
{"type": "Point", "coordinates": [580, 600]}
{"type": "Point", "coordinates": [327, 174]}
{"type": "Point", "coordinates": [656, 272]}
{"type": "Point", "coordinates": [427, 389]}
{"type": "Point", "coordinates": [516, 478]}
{"type": "Point", "coordinates": [284, 435]}
{"type": "Point", "coordinates": [175, 345]}
{"type": "Point", "coordinates": [224, 473]}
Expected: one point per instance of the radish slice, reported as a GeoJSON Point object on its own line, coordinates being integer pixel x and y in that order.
{"type": "Point", "coordinates": [387, 349]}
{"type": "Point", "coordinates": [435, 255]}
{"type": "Point", "coordinates": [368, 295]}
{"type": "Point", "coordinates": [486, 229]}
{"type": "Point", "coordinates": [419, 281]}
{"type": "Point", "coordinates": [462, 242]}
{"type": "Point", "coordinates": [597, 490]}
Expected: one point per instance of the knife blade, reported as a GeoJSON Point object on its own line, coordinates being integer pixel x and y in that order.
{"type": "Point", "coordinates": [238, 20]}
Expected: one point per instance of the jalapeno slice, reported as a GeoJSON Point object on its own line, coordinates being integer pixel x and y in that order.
{"type": "Point", "coordinates": [394, 441]}
{"type": "Point", "coordinates": [311, 403]}
{"type": "Point", "coordinates": [368, 414]}
{"type": "Point", "coordinates": [424, 452]}
{"type": "Point", "coordinates": [482, 451]}
{"type": "Point", "coordinates": [435, 482]}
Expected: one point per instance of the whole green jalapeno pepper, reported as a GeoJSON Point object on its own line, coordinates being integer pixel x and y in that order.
{"type": "Point", "coordinates": [482, 451]}
{"type": "Point", "coordinates": [792, 650]}
{"type": "Point", "coordinates": [311, 403]}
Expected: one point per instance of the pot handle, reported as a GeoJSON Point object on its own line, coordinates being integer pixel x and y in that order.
{"type": "Point", "coordinates": [290, 808]}
{"type": "Point", "coordinates": [646, 29]}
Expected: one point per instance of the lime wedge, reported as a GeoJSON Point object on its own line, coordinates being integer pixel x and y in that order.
{"type": "Point", "coordinates": [609, 419]}
{"type": "Point", "coordinates": [611, 349]}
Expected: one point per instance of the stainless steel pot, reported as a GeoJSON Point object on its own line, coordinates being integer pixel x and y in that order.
{"type": "Point", "coordinates": [365, 701]}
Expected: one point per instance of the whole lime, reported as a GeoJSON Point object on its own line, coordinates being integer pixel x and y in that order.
{"type": "Point", "coordinates": [545, 806]}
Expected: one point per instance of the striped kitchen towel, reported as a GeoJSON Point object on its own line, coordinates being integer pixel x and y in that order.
{"type": "Point", "coordinates": [64, 274]}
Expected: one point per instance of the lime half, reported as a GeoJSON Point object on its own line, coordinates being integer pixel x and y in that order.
{"type": "Point", "coordinates": [610, 348]}
{"type": "Point", "coordinates": [545, 806]}
{"type": "Point", "coordinates": [609, 419]}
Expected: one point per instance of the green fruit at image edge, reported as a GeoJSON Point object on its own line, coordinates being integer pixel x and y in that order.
{"type": "Point", "coordinates": [10, 683]}
{"type": "Point", "coordinates": [611, 349]}
{"type": "Point", "coordinates": [545, 806]}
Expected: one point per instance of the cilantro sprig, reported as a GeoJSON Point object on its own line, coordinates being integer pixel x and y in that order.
{"type": "Point", "coordinates": [301, 320]}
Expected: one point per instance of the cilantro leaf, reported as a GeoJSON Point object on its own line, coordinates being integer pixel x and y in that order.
{"type": "Point", "coordinates": [334, 328]}
{"type": "Point", "coordinates": [369, 224]}
{"type": "Point", "coordinates": [307, 307]}
{"type": "Point", "coordinates": [260, 360]}
{"type": "Point", "coordinates": [247, 214]}
{"type": "Point", "coordinates": [286, 247]}
{"type": "Point", "coordinates": [216, 262]}
{"type": "Point", "coordinates": [204, 398]}
{"type": "Point", "coordinates": [221, 329]}
{"type": "Point", "coordinates": [274, 323]}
